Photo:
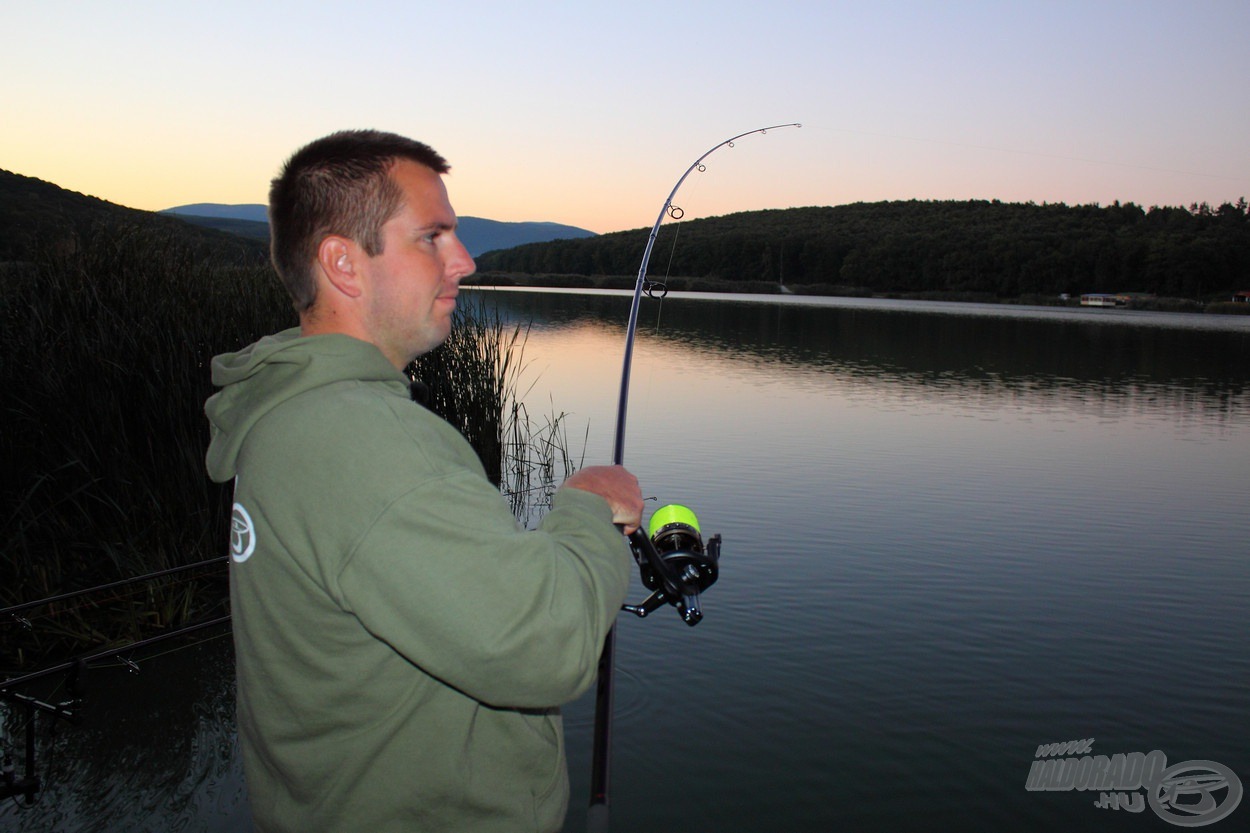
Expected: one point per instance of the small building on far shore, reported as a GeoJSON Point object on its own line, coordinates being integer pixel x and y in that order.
{"type": "Point", "coordinates": [1103, 299]}
{"type": "Point", "coordinates": [1113, 299]}
{"type": "Point", "coordinates": [1242, 297]}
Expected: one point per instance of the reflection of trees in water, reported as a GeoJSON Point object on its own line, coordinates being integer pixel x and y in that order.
{"type": "Point", "coordinates": [153, 752]}
{"type": "Point", "coordinates": [1105, 366]}
{"type": "Point", "coordinates": [1074, 364]}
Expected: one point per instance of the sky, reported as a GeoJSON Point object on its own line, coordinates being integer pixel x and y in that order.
{"type": "Point", "coordinates": [588, 113]}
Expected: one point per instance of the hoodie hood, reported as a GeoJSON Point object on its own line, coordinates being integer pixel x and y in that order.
{"type": "Point", "coordinates": [277, 368]}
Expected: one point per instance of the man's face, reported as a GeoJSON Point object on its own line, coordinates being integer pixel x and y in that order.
{"type": "Point", "coordinates": [412, 284]}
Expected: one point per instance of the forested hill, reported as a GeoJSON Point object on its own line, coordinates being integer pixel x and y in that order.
{"type": "Point", "coordinates": [34, 214]}
{"type": "Point", "coordinates": [1007, 249]}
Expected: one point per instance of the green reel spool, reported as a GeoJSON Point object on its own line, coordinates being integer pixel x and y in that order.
{"type": "Point", "coordinates": [674, 514]}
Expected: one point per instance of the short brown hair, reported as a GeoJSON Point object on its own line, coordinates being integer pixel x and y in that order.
{"type": "Point", "coordinates": [339, 184]}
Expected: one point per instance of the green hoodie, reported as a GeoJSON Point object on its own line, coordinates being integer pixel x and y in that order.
{"type": "Point", "coordinates": [402, 644]}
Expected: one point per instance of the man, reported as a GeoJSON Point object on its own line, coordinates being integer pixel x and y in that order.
{"type": "Point", "coordinates": [402, 645]}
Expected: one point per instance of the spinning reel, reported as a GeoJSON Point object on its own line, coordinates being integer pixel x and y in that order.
{"type": "Point", "coordinates": [674, 563]}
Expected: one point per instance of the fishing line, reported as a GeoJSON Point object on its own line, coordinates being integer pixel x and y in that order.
{"type": "Point", "coordinates": [651, 289]}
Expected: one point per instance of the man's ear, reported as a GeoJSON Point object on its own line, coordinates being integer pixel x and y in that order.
{"type": "Point", "coordinates": [338, 258]}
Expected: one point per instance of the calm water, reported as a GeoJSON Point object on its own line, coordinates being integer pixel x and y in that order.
{"type": "Point", "coordinates": [952, 533]}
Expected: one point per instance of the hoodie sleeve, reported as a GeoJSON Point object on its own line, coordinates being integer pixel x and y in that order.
{"type": "Point", "coordinates": [512, 618]}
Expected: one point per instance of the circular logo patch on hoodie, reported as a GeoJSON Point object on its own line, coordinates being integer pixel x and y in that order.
{"type": "Point", "coordinates": [242, 535]}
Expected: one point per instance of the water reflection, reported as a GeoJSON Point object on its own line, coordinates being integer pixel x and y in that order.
{"type": "Point", "coordinates": [1070, 359]}
{"type": "Point", "coordinates": [949, 538]}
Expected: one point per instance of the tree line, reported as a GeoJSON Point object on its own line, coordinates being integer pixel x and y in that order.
{"type": "Point", "coordinates": [37, 217]}
{"type": "Point", "coordinates": [975, 246]}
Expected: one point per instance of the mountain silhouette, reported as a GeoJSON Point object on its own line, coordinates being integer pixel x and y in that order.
{"type": "Point", "coordinates": [479, 235]}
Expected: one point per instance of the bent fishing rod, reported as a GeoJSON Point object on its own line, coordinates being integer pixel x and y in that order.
{"type": "Point", "coordinates": [674, 563]}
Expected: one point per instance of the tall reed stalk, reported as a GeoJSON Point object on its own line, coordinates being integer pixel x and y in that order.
{"type": "Point", "coordinates": [473, 381]}
{"type": "Point", "coordinates": [104, 369]}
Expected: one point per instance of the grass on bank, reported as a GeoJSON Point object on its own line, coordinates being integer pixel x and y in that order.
{"type": "Point", "coordinates": [105, 347]}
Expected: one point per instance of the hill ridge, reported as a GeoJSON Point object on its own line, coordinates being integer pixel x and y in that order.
{"type": "Point", "coordinates": [35, 213]}
{"type": "Point", "coordinates": [479, 234]}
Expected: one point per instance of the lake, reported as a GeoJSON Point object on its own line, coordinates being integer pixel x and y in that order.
{"type": "Point", "coordinates": [953, 534]}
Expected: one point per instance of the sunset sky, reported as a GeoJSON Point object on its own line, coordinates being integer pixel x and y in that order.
{"type": "Point", "coordinates": [586, 113]}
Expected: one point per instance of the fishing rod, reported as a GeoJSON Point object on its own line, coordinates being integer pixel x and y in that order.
{"type": "Point", "coordinates": [26, 788]}
{"type": "Point", "coordinates": [673, 561]}
{"type": "Point", "coordinates": [14, 610]}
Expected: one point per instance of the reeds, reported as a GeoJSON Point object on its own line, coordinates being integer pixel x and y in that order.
{"type": "Point", "coordinates": [105, 347]}
{"type": "Point", "coordinates": [474, 383]}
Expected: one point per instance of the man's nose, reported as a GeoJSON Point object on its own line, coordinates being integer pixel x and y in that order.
{"type": "Point", "coordinates": [460, 264]}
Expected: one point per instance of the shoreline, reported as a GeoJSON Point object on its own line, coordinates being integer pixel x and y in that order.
{"type": "Point", "coordinates": [714, 285]}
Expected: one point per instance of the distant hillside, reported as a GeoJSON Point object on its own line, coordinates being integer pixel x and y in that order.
{"type": "Point", "coordinates": [975, 247]}
{"type": "Point", "coordinates": [36, 213]}
{"type": "Point", "coordinates": [479, 235]}
{"type": "Point", "coordinates": [246, 211]}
